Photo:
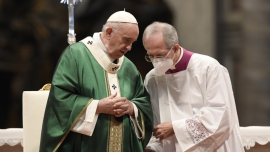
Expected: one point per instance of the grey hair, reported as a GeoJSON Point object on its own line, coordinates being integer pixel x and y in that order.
{"type": "Point", "coordinates": [114, 25]}
{"type": "Point", "coordinates": [168, 31]}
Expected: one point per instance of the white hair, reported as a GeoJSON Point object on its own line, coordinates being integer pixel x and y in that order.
{"type": "Point", "coordinates": [168, 31]}
{"type": "Point", "coordinates": [114, 25]}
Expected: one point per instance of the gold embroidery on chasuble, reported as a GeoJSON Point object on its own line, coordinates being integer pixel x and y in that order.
{"type": "Point", "coordinates": [115, 134]}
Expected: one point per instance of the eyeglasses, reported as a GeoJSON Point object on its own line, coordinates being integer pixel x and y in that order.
{"type": "Point", "coordinates": [150, 58]}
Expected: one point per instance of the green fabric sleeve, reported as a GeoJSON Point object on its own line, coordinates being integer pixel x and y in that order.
{"type": "Point", "coordinates": [145, 117]}
{"type": "Point", "coordinates": [64, 105]}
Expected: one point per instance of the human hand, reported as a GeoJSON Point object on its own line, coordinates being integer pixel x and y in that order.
{"type": "Point", "coordinates": [149, 150]}
{"type": "Point", "coordinates": [122, 108]}
{"type": "Point", "coordinates": [106, 105]}
{"type": "Point", "coordinates": [163, 130]}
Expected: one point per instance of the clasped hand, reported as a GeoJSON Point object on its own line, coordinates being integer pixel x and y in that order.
{"type": "Point", "coordinates": [117, 106]}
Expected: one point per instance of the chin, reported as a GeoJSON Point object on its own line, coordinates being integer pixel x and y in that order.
{"type": "Point", "coordinates": [121, 53]}
{"type": "Point", "coordinates": [120, 56]}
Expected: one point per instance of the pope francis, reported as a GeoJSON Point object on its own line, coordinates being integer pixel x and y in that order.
{"type": "Point", "coordinates": [97, 101]}
{"type": "Point", "coordinates": [191, 96]}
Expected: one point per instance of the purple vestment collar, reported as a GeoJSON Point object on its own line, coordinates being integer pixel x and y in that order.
{"type": "Point", "coordinates": [183, 63]}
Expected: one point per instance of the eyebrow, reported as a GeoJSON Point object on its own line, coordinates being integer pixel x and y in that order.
{"type": "Point", "coordinates": [129, 39]}
{"type": "Point", "coordinates": [157, 55]}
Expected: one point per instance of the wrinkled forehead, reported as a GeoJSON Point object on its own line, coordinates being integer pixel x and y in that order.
{"type": "Point", "coordinates": [155, 45]}
{"type": "Point", "coordinates": [130, 30]}
{"type": "Point", "coordinates": [154, 41]}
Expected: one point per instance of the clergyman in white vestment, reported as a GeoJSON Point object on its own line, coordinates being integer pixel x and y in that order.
{"type": "Point", "coordinates": [191, 96]}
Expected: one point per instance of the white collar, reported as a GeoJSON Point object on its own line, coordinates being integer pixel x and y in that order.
{"type": "Point", "coordinates": [96, 37]}
{"type": "Point", "coordinates": [181, 55]}
{"type": "Point", "coordinates": [100, 56]}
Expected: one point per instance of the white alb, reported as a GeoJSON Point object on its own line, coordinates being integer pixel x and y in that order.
{"type": "Point", "coordinates": [200, 103]}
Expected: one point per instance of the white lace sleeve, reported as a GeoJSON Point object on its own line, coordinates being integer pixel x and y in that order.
{"type": "Point", "coordinates": [199, 134]}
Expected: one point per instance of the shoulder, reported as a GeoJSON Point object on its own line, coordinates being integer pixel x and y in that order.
{"type": "Point", "coordinates": [201, 62]}
{"type": "Point", "coordinates": [128, 65]}
{"type": "Point", "coordinates": [149, 76]}
{"type": "Point", "coordinates": [203, 59]}
{"type": "Point", "coordinates": [77, 48]}
{"type": "Point", "coordinates": [76, 51]}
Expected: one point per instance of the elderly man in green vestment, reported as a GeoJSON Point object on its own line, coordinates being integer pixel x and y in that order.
{"type": "Point", "coordinates": [97, 101]}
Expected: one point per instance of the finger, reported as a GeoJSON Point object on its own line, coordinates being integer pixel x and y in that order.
{"type": "Point", "coordinates": [155, 129]}
{"type": "Point", "coordinates": [156, 133]}
{"type": "Point", "coordinates": [118, 105]}
{"type": "Point", "coordinates": [126, 112]}
{"type": "Point", "coordinates": [160, 136]}
{"type": "Point", "coordinates": [119, 114]}
{"type": "Point", "coordinates": [119, 110]}
{"type": "Point", "coordinates": [122, 106]}
{"type": "Point", "coordinates": [123, 113]}
{"type": "Point", "coordinates": [113, 95]}
{"type": "Point", "coordinates": [120, 99]}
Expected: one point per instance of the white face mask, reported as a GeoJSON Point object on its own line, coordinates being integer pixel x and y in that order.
{"type": "Point", "coordinates": [161, 65]}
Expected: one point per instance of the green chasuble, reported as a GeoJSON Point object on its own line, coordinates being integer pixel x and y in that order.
{"type": "Point", "coordinates": [84, 73]}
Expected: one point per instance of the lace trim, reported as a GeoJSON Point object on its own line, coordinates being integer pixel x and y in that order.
{"type": "Point", "coordinates": [196, 130]}
{"type": "Point", "coordinates": [248, 143]}
{"type": "Point", "coordinates": [11, 142]}
{"type": "Point", "coordinates": [199, 135]}
{"type": "Point", "coordinates": [206, 145]}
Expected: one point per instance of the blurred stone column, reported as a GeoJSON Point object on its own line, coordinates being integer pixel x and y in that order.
{"type": "Point", "coordinates": [253, 66]}
{"type": "Point", "coordinates": [194, 21]}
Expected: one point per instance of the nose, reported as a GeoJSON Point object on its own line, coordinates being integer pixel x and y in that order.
{"type": "Point", "coordinates": [129, 47]}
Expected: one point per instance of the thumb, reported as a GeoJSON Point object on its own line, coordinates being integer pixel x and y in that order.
{"type": "Point", "coordinates": [113, 95]}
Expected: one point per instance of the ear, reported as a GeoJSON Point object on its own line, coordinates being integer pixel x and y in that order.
{"type": "Point", "coordinates": [109, 31]}
{"type": "Point", "coordinates": [176, 47]}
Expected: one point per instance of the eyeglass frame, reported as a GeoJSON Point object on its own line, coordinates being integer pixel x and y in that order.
{"type": "Point", "coordinates": [150, 58]}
